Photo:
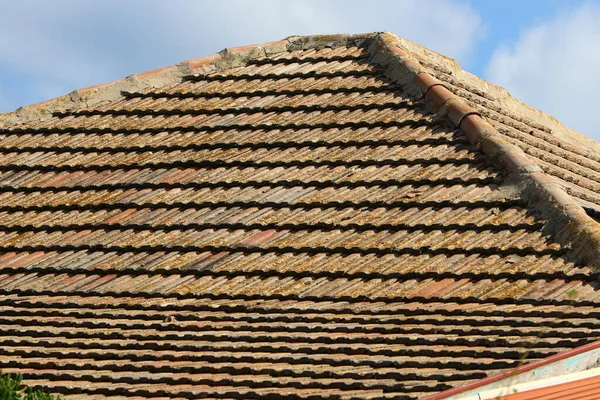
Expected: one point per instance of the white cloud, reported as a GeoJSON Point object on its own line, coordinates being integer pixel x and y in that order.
{"type": "Point", "coordinates": [67, 44]}
{"type": "Point", "coordinates": [555, 66]}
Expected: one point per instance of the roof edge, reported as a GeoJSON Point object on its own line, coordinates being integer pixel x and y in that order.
{"type": "Point", "coordinates": [566, 219]}
{"type": "Point", "coordinates": [227, 58]}
{"type": "Point", "coordinates": [112, 91]}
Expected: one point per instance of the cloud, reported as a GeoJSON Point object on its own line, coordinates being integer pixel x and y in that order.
{"type": "Point", "coordinates": [554, 67]}
{"type": "Point", "coordinates": [66, 44]}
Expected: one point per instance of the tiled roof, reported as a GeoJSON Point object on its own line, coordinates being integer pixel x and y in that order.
{"type": "Point", "coordinates": [568, 366]}
{"type": "Point", "coordinates": [312, 218]}
{"type": "Point", "coordinates": [588, 389]}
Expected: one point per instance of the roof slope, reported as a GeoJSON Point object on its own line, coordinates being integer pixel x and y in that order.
{"type": "Point", "coordinates": [569, 366]}
{"type": "Point", "coordinates": [302, 219]}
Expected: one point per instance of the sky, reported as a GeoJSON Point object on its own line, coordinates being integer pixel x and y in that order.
{"type": "Point", "coordinates": [545, 52]}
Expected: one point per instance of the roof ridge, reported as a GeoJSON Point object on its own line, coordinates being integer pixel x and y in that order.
{"type": "Point", "coordinates": [567, 220]}
{"type": "Point", "coordinates": [227, 58]}
{"type": "Point", "coordinates": [497, 99]}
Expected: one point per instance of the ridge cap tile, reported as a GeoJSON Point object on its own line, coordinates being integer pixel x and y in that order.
{"type": "Point", "coordinates": [566, 218]}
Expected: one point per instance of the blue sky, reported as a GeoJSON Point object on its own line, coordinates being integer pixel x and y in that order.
{"type": "Point", "coordinates": [504, 21]}
{"type": "Point", "coordinates": [543, 51]}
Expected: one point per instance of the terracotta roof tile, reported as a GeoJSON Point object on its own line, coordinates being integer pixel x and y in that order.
{"type": "Point", "coordinates": [320, 217]}
{"type": "Point", "coordinates": [584, 389]}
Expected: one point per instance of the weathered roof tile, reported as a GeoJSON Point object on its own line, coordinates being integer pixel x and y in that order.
{"type": "Point", "coordinates": [290, 220]}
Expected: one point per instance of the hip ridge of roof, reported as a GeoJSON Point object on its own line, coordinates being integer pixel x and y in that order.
{"type": "Point", "coordinates": [567, 220]}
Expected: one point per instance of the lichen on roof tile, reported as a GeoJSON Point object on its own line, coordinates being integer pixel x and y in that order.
{"type": "Point", "coordinates": [342, 216]}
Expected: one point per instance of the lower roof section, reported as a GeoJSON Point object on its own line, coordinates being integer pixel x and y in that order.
{"type": "Point", "coordinates": [570, 373]}
{"type": "Point", "coordinates": [234, 347]}
{"type": "Point", "coordinates": [587, 388]}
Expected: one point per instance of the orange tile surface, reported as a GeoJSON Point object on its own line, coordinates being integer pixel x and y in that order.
{"type": "Point", "coordinates": [583, 389]}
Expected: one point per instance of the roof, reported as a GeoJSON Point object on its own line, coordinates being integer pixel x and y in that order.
{"type": "Point", "coordinates": [577, 386]}
{"type": "Point", "coordinates": [588, 388]}
{"type": "Point", "coordinates": [562, 368]}
{"type": "Point", "coordinates": [573, 388]}
{"type": "Point", "coordinates": [347, 216]}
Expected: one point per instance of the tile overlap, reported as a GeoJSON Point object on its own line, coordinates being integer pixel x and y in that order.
{"type": "Point", "coordinates": [297, 227]}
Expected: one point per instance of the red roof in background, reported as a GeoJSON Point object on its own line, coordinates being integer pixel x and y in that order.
{"type": "Point", "coordinates": [321, 217]}
{"type": "Point", "coordinates": [548, 368]}
{"type": "Point", "coordinates": [583, 389]}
